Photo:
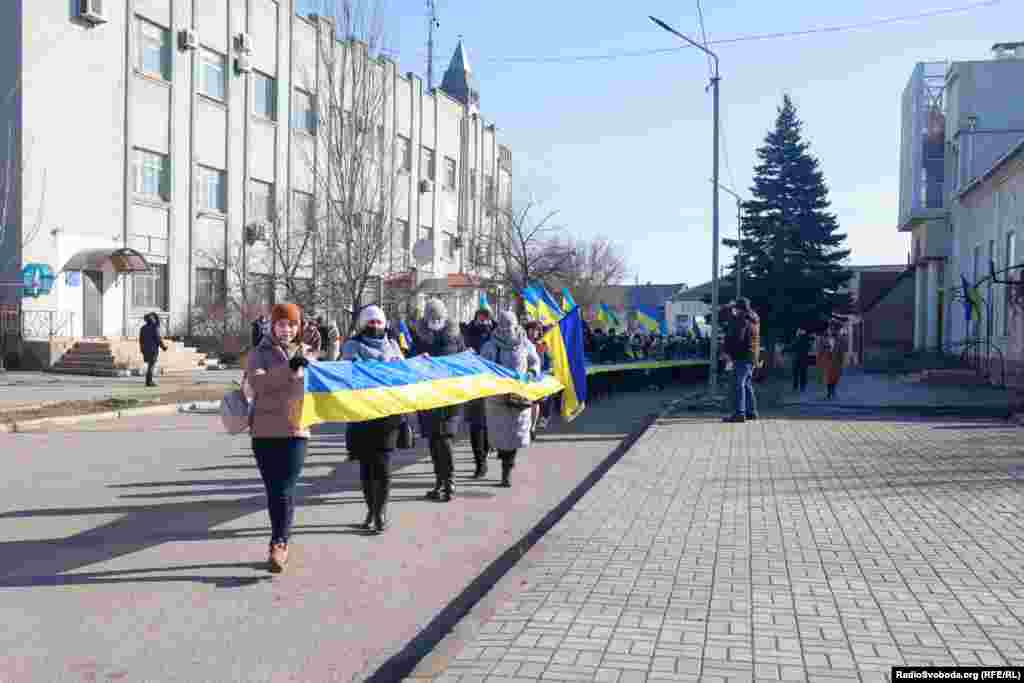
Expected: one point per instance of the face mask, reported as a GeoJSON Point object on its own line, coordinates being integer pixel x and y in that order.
{"type": "Point", "coordinates": [435, 325]}
{"type": "Point", "coordinates": [375, 332]}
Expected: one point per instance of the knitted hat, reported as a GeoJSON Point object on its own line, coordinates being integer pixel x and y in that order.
{"type": "Point", "coordinates": [371, 313]}
{"type": "Point", "coordinates": [286, 312]}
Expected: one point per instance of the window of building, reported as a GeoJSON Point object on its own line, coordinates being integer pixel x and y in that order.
{"type": "Point", "coordinates": [403, 154]}
{"type": "Point", "coordinates": [154, 48]}
{"type": "Point", "coordinates": [303, 211]}
{"type": "Point", "coordinates": [1010, 259]}
{"type": "Point", "coordinates": [210, 286]}
{"type": "Point", "coordinates": [303, 112]}
{"type": "Point", "coordinates": [213, 80]}
{"type": "Point", "coordinates": [213, 192]}
{"type": "Point", "coordinates": [149, 288]}
{"type": "Point", "coordinates": [261, 289]}
{"type": "Point", "coordinates": [449, 245]}
{"type": "Point", "coordinates": [449, 173]}
{"type": "Point", "coordinates": [152, 175]}
{"type": "Point", "coordinates": [427, 163]}
{"type": "Point", "coordinates": [266, 96]}
{"type": "Point", "coordinates": [261, 201]}
{"type": "Point", "coordinates": [489, 185]}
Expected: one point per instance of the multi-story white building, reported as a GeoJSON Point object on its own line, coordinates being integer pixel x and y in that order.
{"type": "Point", "coordinates": [959, 119]}
{"type": "Point", "coordinates": [149, 133]}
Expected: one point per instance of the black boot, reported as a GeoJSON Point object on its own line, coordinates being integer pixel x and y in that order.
{"type": "Point", "coordinates": [435, 493]}
{"type": "Point", "coordinates": [506, 472]}
{"type": "Point", "coordinates": [368, 497]}
{"type": "Point", "coordinates": [447, 490]}
{"type": "Point", "coordinates": [481, 466]}
{"type": "Point", "coordinates": [380, 516]}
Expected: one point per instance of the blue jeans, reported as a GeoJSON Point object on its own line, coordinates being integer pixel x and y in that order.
{"type": "Point", "coordinates": [280, 462]}
{"type": "Point", "coordinates": [746, 402]}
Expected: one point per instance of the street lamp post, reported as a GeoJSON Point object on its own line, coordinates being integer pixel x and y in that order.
{"type": "Point", "coordinates": [713, 360]}
{"type": "Point", "coordinates": [739, 237]}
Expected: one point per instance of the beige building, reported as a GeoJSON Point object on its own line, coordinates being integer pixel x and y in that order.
{"type": "Point", "coordinates": [154, 133]}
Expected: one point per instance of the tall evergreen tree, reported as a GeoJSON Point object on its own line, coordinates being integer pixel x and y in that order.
{"type": "Point", "coordinates": [792, 250]}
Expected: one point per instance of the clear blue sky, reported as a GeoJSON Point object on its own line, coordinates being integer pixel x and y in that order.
{"type": "Point", "coordinates": [623, 147]}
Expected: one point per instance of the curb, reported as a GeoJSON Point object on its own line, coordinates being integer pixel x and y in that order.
{"type": "Point", "coordinates": [169, 409]}
{"type": "Point", "coordinates": [413, 661]}
{"type": "Point", "coordinates": [923, 410]}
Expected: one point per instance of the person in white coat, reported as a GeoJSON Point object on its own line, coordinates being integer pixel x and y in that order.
{"type": "Point", "coordinates": [508, 426]}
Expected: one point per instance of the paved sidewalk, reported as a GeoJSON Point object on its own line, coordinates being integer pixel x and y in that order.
{"type": "Point", "coordinates": [861, 390]}
{"type": "Point", "coordinates": [793, 549]}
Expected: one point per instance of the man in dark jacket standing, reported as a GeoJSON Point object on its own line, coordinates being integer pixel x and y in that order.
{"type": "Point", "coordinates": [743, 344]}
{"type": "Point", "coordinates": [800, 348]}
{"type": "Point", "coordinates": [476, 333]}
{"type": "Point", "coordinates": [150, 344]}
{"type": "Point", "coordinates": [436, 335]}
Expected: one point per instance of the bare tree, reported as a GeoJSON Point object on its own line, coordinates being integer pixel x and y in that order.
{"type": "Point", "coordinates": [530, 247]}
{"type": "Point", "coordinates": [353, 162]}
{"type": "Point", "coordinates": [595, 265]}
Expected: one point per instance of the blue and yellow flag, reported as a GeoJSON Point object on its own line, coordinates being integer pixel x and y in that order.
{"type": "Point", "coordinates": [565, 343]}
{"type": "Point", "coordinates": [554, 309]}
{"type": "Point", "coordinates": [568, 303]}
{"type": "Point", "coordinates": [404, 337]}
{"type": "Point", "coordinates": [484, 303]}
{"type": "Point", "coordinates": [649, 318]}
{"type": "Point", "coordinates": [537, 308]}
{"type": "Point", "coordinates": [608, 315]}
{"type": "Point", "coordinates": [343, 391]}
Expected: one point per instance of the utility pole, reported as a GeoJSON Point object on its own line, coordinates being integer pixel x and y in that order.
{"type": "Point", "coordinates": [739, 237]}
{"type": "Point", "coordinates": [432, 23]}
{"type": "Point", "coordinates": [713, 360]}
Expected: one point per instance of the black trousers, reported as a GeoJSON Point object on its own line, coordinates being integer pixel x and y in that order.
{"type": "Point", "coordinates": [441, 454]}
{"type": "Point", "coordinates": [508, 458]}
{"type": "Point", "coordinates": [800, 375]}
{"type": "Point", "coordinates": [375, 474]}
{"type": "Point", "coordinates": [280, 462]}
{"type": "Point", "coordinates": [150, 366]}
{"type": "Point", "coordinates": [479, 441]}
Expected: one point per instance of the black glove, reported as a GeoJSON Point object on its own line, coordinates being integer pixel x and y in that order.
{"type": "Point", "coordinates": [298, 362]}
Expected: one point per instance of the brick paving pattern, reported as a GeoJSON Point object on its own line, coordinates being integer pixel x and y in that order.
{"type": "Point", "coordinates": [800, 549]}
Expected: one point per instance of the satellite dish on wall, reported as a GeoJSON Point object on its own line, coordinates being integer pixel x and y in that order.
{"type": "Point", "coordinates": [423, 252]}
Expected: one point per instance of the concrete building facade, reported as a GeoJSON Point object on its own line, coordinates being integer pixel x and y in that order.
{"type": "Point", "coordinates": [958, 119]}
{"type": "Point", "coordinates": [164, 129]}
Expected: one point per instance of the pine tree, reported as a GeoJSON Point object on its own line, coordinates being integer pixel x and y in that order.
{"type": "Point", "coordinates": [792, 250]}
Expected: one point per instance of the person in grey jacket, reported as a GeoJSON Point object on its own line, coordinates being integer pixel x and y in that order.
{"type": "Point", "coordinates": [508, 427]}
{"type": "Point", "coordinates": [373, 441]}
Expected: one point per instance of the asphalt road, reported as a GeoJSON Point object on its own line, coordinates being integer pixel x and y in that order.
{"type": "Point", "coordinates": [135, 551]}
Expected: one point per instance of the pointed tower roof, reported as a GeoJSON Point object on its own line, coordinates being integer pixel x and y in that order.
{"type": "Point", "coordinates": [459, 81]}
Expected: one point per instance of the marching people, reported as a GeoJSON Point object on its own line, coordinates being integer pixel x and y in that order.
{"type": "Point", "coordinates": [476, 333]}
{"type": "Point", "coordinates": [274, 382]}
{"type": "Point", "coordinates": [150, 344]}
{"type": "Point", "coordinates": [800, 348]}
{"type": "Point", "coordinates": [832, 355]}
{"type": "Point", "coordinates": [509, 418]}
{"type": "Point", "coordinates": [743, 345]}
{"type": "Point", "coordinates": [374, 441]}
{"type": "Point", "coordinates": [436, 335]}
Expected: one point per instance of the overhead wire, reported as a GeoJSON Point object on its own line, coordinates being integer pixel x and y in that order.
{"type": "Point", "coordinates": [565, 59]}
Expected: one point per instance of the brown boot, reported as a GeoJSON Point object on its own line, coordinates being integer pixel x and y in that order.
{"type": "Point", "coordinates": [278, 557]}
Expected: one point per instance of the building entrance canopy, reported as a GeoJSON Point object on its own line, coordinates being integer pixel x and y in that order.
{"type": "Point", "coordinates": [122, 260]}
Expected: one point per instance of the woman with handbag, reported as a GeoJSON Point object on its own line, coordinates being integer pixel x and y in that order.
{"type": "Point", "coordinates": [373, 441]}
{"type": "Point", "coordinates": [509, 417]}
{"type": "Point", "coordinates": [275, 380]}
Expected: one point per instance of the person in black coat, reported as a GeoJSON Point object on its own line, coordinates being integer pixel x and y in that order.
{"type": "Point", "coordinates": [150, 344]}
{"type": "Point", "coordinates": [476, 333]}
{"type": "Point", "coordinates": [436, 335]}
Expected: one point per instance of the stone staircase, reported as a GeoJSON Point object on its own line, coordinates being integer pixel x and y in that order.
{"type": "Point", "coordinates": [120, 357]}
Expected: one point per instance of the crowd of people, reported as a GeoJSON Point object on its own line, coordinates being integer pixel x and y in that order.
{"type": "Point", "coordinates": [621, 347]}
{"type": "Point", "coordinates": [283, 346]}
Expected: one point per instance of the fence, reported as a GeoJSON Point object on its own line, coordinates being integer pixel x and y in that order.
{"type": "Point", "coordinates": [36, 325]}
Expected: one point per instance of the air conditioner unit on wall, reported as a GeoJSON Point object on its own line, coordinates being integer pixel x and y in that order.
{"type": "Point", "coordinates": [426, 186]}
{"type": "Point", "coordinates": [188, 39]}
{"type": "Point", "coordinates": [243, 43]}
{"type": "Point", "coordinates": [91, 11]}
{"type": "Point", "coordinates": [243, 65]}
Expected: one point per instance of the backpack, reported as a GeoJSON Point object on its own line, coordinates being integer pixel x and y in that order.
{"type": "Point", "coordinates": [236, 412]}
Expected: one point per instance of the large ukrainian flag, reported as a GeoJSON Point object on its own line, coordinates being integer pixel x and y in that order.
{"type": "Point", "coordinates": [565, 343]}
{"type": "Point", "coordinates": [343, 391]}
{"type": "Point", "coordinates": [649, 318]}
